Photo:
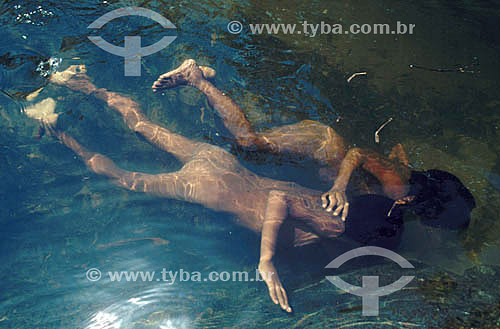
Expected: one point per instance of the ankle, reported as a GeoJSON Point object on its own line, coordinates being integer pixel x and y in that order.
{"type": "Point", "coordinates": [200, 84]}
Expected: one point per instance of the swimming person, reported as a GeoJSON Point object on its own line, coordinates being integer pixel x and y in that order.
{"type": "Point", "coordinates": [428, 193]}
{"type": "Point", "coordinates": [281, 211]}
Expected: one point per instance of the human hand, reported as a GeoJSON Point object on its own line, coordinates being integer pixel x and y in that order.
{"type": "Point", "coordinates": [336, 197]}
{"type": "Point", "coordinates": [276, 291]}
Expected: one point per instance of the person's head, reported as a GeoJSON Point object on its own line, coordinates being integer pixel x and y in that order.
{"type": "Point", "coordinates": [441, 200]}
{"type": "Point", "coordinates": [369, 222]}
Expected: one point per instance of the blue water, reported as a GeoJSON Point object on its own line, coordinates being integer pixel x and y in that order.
{"type": "Point", "coordinates": [58, 220]}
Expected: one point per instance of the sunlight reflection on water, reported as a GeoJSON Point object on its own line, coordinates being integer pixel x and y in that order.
{"type": "Point", "coordinates": [140, 308]}
{"type": "Point", "coordinates": [277, 79]}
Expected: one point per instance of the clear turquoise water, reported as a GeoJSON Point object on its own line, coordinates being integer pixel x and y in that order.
{"type": "Point", "coordinates": [58, 220]}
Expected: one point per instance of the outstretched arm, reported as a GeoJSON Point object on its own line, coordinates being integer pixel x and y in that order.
{"type": "Point", "coordinates": [276, 213]}
{"type": "Point", "coordinates": [393, 175]}
{"type": "Point", "coordinates": [398, 152]}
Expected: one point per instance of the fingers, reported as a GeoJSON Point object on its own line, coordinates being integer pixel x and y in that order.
{"type": "Point", "coordinates": [284, 300]}
{"type": "Point", "coordinates": [338, 199]}
{"type": "Point", "coordinates": [331, 201]}
{"type": "Point", "coordinates": [346, 211]}
{"type": "Point", "coordinates": [341, 202]}
{"type": "Point", "coordinates": [280, 292]}
{"type": "Point", "coordinates": [328, 200]}
{"type": "Point", "coordinates": [272, 293]}
{"type": "Point", "coordinates": [324, 199]}
{"type": "Point", "coordinates": [335, 199]}
{"type": "Point", "coordinates": [339, 208]}
{"type": "Point", "coordinates": [278, 295]}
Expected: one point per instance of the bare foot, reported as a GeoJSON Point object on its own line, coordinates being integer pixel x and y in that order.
{"type": "Point", "coordinates": [74, 77]}
{"type": "Point", "coordinates": [189, 73]}
{"type": "Point", "coordinates": [62, 78]}
{"type": "Point", "coordinates": [43, 111]}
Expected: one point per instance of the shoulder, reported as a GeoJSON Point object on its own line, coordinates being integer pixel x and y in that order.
{"type": "Point", "coordinates": [277, 194]}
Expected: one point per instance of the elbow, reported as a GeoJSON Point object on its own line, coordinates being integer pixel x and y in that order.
{"type": "Point", "coordinates": [355, 152]}
{"type": "Point", "coordinates": [276, 200]}
{"type": "Point", "coordinates": [277, 194]}
{"type": "Point", "coordinates": [356, 156]}
{"type": "Point", "coordinates": [249, 141]}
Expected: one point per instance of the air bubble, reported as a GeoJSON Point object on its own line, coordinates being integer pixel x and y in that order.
{"type": "Point", "coordinates": [49, 66]}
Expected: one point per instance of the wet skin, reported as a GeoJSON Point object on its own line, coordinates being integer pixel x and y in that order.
{"type": "Point", "coordinates": [214, 178]}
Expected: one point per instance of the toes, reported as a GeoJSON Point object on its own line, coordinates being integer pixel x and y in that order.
{"type": "Point", "coordinates": [165, 78]}
{"type": "Point", "coordinates": [162, 84]}
{"type": "Point", "coordinates": [165, 82]}
{"type": "Point", "coordinates": [66, 75]}
{"type": "Point", "coordinates": [179, 76]}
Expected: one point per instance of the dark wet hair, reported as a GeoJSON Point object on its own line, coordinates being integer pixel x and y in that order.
{"type": "Point", "coordinates": [441, 200]}
{"type": "Point", "coordinates": [369, 224]}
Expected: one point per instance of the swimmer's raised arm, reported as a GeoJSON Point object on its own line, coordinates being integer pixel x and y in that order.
{"type": "Point", "coordinates": [392, 174]}
{"type": "Point", "coordinates": [398, 152]}
{"type": "Point", "coordinates": [276, 213]}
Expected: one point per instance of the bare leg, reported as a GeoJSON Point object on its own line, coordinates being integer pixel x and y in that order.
{"type": "Point", "coordinates": [203, 177]}
{"type": "Point", "coordinates": [190, 74]}
{"type": "Point", "coordinates": [308, 138]}
{"type": "Point", "coordinates": [98, 163]}
{"type": "Point", "coordinates": [75, 78]}
{"type": "Point", "coordinates": [174, 185]}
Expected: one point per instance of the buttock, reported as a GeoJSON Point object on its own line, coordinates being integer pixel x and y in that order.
{"type": "Point", "coordinates": [214, 158]}
{"type": "Point", "coordinates": [308, 138]}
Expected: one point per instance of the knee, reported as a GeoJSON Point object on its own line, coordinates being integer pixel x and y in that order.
{"type": "Point", "coordinates": [102, 165]}
{"type": "Point", "coordinates": [101, 93]}
{"type": "Point", "coordinates": [257, 142]}
{"type": "Point", "coordinates": [248, 141]}
{"type": "Point", "coordinates": [134, 124]}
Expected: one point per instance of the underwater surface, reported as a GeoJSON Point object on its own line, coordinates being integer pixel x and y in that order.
{"type": "Point", "coordinates": [59, 221]}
